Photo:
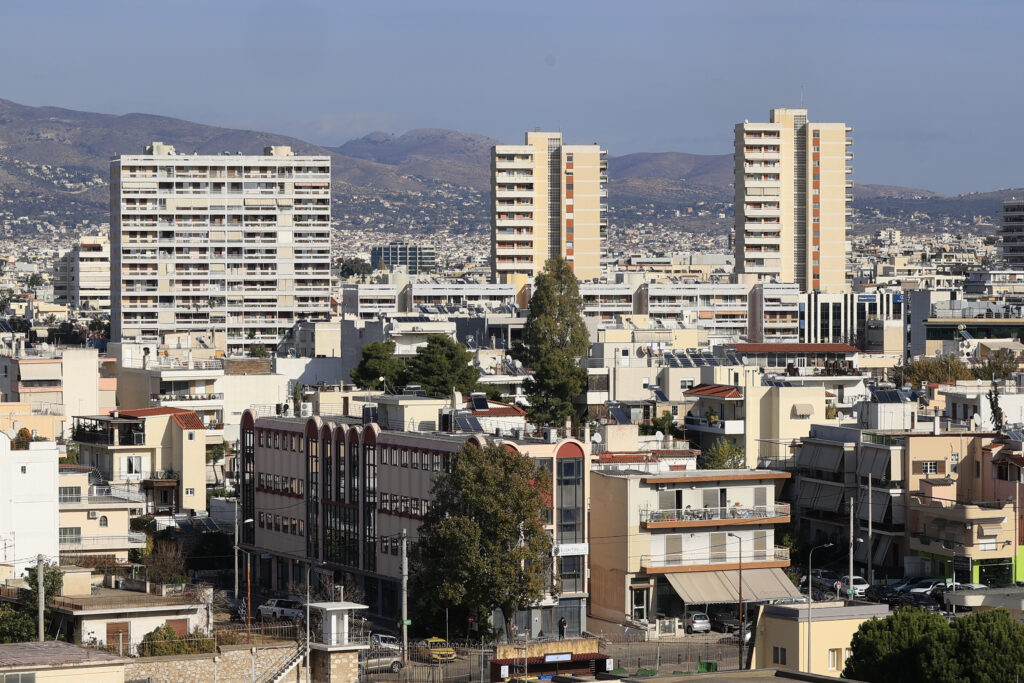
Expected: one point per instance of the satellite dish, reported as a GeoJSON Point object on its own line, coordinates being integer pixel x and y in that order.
{"type": "Point", "coordinates": [596, 438]}
{"type": "Point", "coordinates": [659, 436]}
{"type": "Point", "coordinates": [976, 421]}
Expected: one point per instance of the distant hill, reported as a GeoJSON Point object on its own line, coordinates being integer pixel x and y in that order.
{"type": "Point", "coordinates": [54, 161]}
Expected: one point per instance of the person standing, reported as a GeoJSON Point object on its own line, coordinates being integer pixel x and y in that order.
{"type": "Point", "coordinates": [562, 623]}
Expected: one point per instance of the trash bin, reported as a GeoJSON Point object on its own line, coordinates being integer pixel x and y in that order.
{"type": "Point", "coordinates": [707, 667]}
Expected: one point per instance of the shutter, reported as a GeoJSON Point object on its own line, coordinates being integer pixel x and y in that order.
{"type": "Point", "coordinates": [117, 635]}
{"type": "Point", "coordinates": [180, 626]}
{"type": "Point", "coordinates": [942, 466]}
{"type": "Point", "coordinates": [916, 467]}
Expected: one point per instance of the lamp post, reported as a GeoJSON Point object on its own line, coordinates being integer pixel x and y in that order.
{"type": "Point", "coordinates": [739, 542]}
{"type": "Point", "coordinates": [810, 598]}
{"type": "Point", "coordinates": [248, 582]}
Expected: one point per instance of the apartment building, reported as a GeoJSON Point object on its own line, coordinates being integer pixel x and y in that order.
{"type": "Point", "coordinates": [775, 312]}
{"type": "Point", "coordinates": [160, 452]}
{"type": "Point", "coordinates": [791, 200]}
{"type": "Point", "coordinates": [56, 381]}
{"type": "Point", "coordinates": [1011, 232]}
{"type": "Point", "coordinates": [95, 518]}
{"type": "Point", "coordinates": [29, 515]}
{"type": "Point", "coordinates": [414, 258]}
{"type": "Point", "coordinates": [82, 275]}
{"type": "Point", "coordinates": [548, 199]}
{"type": "Point", "coordinates": [338, 492]}
{"type": "Point", "coordinates": [367, 301]}
{"type": "Point", "coordinates": [672, 542]}
{"type": "Point", "coordinates": [226, 250]}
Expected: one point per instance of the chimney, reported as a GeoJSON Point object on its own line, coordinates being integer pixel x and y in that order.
{"type": "Point", "coordinates": [936, 426]}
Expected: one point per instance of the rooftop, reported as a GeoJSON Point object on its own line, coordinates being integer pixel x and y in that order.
{"type": "Point", "coordinates": [52, 653]}
{"type": "Point", "coordinates": [714, 391]}
{"type": "Point", "coordinates": [106, 599]}
{"type": "Point", "coordinates": [794, 348]}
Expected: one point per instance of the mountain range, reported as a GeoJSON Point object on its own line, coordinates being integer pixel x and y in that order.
{"type": "Point", "coordinates": [54, 159]}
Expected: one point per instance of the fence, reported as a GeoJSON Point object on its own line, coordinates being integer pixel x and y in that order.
{"type": "Point", "coordinates": [471, 663]}
{"type": "Point", "coordinates": [192, 643]}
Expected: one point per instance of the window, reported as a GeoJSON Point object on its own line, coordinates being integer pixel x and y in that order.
{"type": "Point", "coordinates": [191, 436]}
{"type": "Point", "coordinates": [133, 464]}
{"type": "Point", "coordinates": [260, 481]}
{"type": "Point", "coordinates": [301, 487]}
{"type": "Point", "coordinates": [277, 482]}
{"type": "Point", "coordinates": [103, 521]}
{"type": "Point", "coordinates": [259, 435]}
{"type": "Point", "coordinates": [437, 462]}
{"type": "Point", "coordinates": [294, 526]}
{"type": "Point", "coordinates": [384, 544]}
{"type": "Point", "coordinates": [834, 658]}
{"type": "Point", "coordinates": [261, 519]}
{"type": "Point", "coordinates": [405, 457]}
{"type": "Point", "coordinates": [292, 486]}
{"type": "Point", "coordinates": [276, 440]}
{"type": "Point", "coordinates": [190, 492]}
{"type": "Point", "coordinates": [70, 494]}
{"type": "Point", "coordinates": [277, 522]}
{"type": "Point", "coordinates": [291, 442]}
{"type": "Point", "coordinates": [415, 460]}
{"type": "Point", "coordinates": [70, 534]}
{"type": "Point", "coordinates": [302, 527]}
{"type": "Point", "coordinates": [778, 655]}
{"type": "Point", "coordinates": [395, 543]}
{"type": "Point", "coordinates": [930, 467]}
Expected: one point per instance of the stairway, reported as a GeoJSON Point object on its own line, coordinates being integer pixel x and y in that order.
{"type": "Point", "coordinates": [279, 674]}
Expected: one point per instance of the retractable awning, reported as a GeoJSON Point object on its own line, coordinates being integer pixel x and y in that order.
{"type": "Point", "coordinates": [803, 409]}
{"type": "Point", "coordinates": [717, 587]}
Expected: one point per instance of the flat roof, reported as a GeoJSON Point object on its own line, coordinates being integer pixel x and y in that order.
{"type": "Point", "coordinates": [694, 476]}
{"type": "Point", "coordinates": [794, 348]}
{"type": "Point", "coordinates": [52, 654]}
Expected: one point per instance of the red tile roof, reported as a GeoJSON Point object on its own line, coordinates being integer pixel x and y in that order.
{"type": "Point", "coordinates": [794, 348]}
{"type": "Point", "coordinates": [714, 391]}
{"type": "Point", "coordinates": [186, 419]}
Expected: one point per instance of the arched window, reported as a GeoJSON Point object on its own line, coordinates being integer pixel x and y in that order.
{"type": "Point", "coordinates": [103, 520]}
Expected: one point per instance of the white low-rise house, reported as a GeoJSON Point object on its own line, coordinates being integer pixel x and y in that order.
{"type": "Point", "coordinates": [29, 512]}
{"type": "Point", "coordinates": [968, 404]}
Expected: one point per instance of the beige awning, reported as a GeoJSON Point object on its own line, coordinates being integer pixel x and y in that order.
{"type": "Point", "coordinates": [759, 585]}
{"type": "Point", "coordinates": [988, 529]}
{"type": "Point", "coordinates": [803, 409]}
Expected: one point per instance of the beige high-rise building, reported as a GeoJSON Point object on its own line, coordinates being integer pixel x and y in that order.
{"type": "Point", "coordinates": [548, 200]}
{"type": "Point", "coordinates": [791, 200]}
{"type": "Point", "coordinates": [82, 275]}
{"type": "Point", "coordinates": [218, 251]}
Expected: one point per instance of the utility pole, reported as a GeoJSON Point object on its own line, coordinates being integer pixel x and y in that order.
{"type": "Point", "coordinates": [405, 595]}
{"type": "Point", "coordinates": [871, 555]}
{"type": "Point", "coordinates": [40, 594]}
{"type": "Point", "coordinates": [248, 590]}
{"type": "Point", "coordinates": [849, 578]}
{"type": "Point", "coordinates": [236, 540]}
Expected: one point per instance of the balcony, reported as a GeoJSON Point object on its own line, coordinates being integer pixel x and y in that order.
{"type": "Point", "coordinates": [132, 539]}
{"type": "Point", "coordinates": [702, 424]}
{"type": "Point", "coordinates": [101, 495]}
{"type": "Point", "coordinates": [721, 516]}
{"type": "Point", "coordinates": [681, 562]}
{"type": "Point", "coordinates": [161, 398]}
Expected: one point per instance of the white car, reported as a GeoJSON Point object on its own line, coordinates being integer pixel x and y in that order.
{"type": "Point", "coordinates": [281, 609]}
{"type": "Point", "coordinates": [859, 586]}
{"type": "Point", "coordinates": [923, 586]}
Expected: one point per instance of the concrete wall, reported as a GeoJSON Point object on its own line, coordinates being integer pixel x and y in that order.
{"type": "Point", "coordinates": [233, 663]}
{"type": "Point", "coordinates": [29, 514]}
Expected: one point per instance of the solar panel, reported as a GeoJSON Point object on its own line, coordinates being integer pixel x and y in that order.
{"type": "Point", "coordinates": [480, 403]}
{"type": "Point", "coordinates": [468, 424]}
{"type": "Point", "coordinates": [660, 395]}
{"type": "Point", "coordinates": [888, 396]}
{"type": "Point", "coordinates": [619, 415]}
{"type": "Point", "coordinates": [5, 327]}
{"type": "Point", "coordinates": [672, 360]}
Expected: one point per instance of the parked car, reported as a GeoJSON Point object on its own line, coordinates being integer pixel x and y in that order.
{"type": "Point", "coordinates": [825, 580]}
{"type": "Point", "coordinates": [904, 583]}
{"type": "Point", "coordinates": [384, 641]}
{"type": "Point", "coordinates": [281, 609]}
{"type": "Point", "coordinates": [922, 586]}
{"type": "Point", "coordinates": [920, 600]}
{"type": "Point", "coordinates": [697, 622]}
{"type": "Point", "coordinates": [433, 650]}
{"type": "Point", "coordinates": [381, 659]}
{"type": "Point", "coordinates": [859, 586]}
{"type": "Point", "coordinates": [724, 622]}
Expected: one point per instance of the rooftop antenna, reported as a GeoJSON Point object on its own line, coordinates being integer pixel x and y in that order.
{"type": "Point", "coordinates": [801, 96]}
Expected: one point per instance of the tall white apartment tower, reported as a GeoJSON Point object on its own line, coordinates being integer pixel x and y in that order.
{"type": "Point", "coordinates": [791, 200]}
{"type": "Point", "coordinates": [82, 275]}
{"type": "Point", "coordinates": [548, 199]}
{"type": "Point", "coordinates": [221, 251]}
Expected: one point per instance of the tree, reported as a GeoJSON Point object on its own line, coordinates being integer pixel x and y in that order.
{"type": "Point", "coordinates": [164, 641]}
{"type": "Point", "coordinates": [354, 266]}
{"type": "Point", "coordinates": [999, 365]}
{"type": "Point", "coordinates": [482, 545]}
{"type": "Point", "coordinates": [35, 281]}
{"type": "Point", "coordinates": [916, 645]}
{"type": "Point", "coordinates": [443, 365]}
{"type": "Point", "coordinates": [21, 440]}
{"type": "Point", "coordinates": [997, 411]}
{"type": "Point", "coordinates": [379, 361]}
{"type": "Point", "coordinates": [940, 369]}
{"type": "Point", "coordinates": [258, 351]}
{"type": "Point", "coordinates": [555, 339]}
{"type": "Point", "coordinates": [17, 625]}
{"type": "Point", "coordinates": [665, 424]}
{"type": "Point", "coordinates": [165, 563]}
{"type": "Point", "coordinates": [723, 455]}
{"type": "Point", "coordinates": [298, 396]}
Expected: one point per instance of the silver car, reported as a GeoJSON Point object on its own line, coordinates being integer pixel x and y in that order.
{"type": "Point", "coordinates": [698, 622]}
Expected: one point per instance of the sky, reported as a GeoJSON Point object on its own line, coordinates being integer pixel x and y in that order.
{"type": "Point", "coordinates": [934, 89]}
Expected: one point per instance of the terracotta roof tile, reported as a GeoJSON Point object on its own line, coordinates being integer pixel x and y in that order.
{"type": "Point", "coordinates": [714, 391]}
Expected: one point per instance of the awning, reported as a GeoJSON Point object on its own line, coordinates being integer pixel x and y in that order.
{"type": "Point", "coordinates": [988, 529]}
{"type": "Point", "coordinates": [873, 461]}
{"type": "Point", "coordinates": [820, 456]}
{"type": "Point", "coordinates": [722, 586]}
{"type": "Point", "coordinates": [803, 409]}
{"type": "Point", "coordinates": [880, 501]}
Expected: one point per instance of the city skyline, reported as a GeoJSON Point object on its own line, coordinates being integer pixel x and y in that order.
{"type": "Point", "coordinates": [405, 66]}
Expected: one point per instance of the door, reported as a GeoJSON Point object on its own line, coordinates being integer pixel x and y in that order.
{"type": "Point", "coordinates": [761, 546]}
{"type": "Point", "coordinates": [710, 499]}
{"type": "Point", "coordinates": [639, 603]}
{"type": "Point", "coordinates": [674, 549]}
{"type": "Point", "coordinates": [117, 637]}
{"type": "Point", "coordinates": [761, 500]}
{"type": "Point", "coordinates": [180, 626]}
{"type": "Point", "coordinates": [717, 547]}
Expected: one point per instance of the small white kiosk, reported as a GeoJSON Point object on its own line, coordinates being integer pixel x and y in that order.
{"type": "Point", "coordinates": [333, 642]}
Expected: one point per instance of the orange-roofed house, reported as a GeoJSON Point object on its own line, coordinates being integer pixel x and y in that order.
{"type": "Point", "coordinates": [160, 452]}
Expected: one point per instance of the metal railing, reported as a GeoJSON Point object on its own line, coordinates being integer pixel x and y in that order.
{"type": "Point", "coordinates": [129, 599]}
{"type": "Point", "coordinates": [132, 537]}
{"type": "Point", "coordinates": [188, 397]}
{"type": "Point", "coordinates": [778, 554]}
{"type": "Point", "coordinates": [104, 494]}
{"type": "Point", "coordinates": [714, 513]}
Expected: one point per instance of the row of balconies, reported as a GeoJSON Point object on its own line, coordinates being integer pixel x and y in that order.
{"type": "Point", "coordinates": [713, 516]}
{"type": "Point", "coordinates": [771, 557]}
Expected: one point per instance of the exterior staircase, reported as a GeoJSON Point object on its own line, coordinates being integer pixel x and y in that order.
{"type": "Point", "coordinates": [286, 668]}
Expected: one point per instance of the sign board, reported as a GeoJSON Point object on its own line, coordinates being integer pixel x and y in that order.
{"type": "Point", "coordinates": [866, 298]}
{"type": "Point", "coordinates": [962, 563]}
{"type": "Point", "coordinates": [504, 671]}
{"type": "Point", "coordinates": [568, 549]}
{"type": "Point", "coordinates": [558, 657]}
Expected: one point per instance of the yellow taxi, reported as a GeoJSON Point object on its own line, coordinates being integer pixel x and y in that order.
{"type": "Point", "coordinates": [433, 650]}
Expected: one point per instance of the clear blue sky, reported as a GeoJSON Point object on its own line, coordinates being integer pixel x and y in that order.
{"type": "Point", "coordinates": [933, 87]}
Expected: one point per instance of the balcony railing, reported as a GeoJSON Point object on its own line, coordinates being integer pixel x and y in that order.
{"type": "Point", "coordinates": [777, 554]}
{"type": "Point", "coordinates": [103, 494]}
{"type": "Point", "coordinates": [188, 397]}
{"type": "Point", "coordinates": [709, 514]}
{"type": "Point", "coordinates": [131, 538]}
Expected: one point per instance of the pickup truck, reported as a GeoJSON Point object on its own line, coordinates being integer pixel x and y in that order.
{"type": "Point", "coordinates": [281, 609]}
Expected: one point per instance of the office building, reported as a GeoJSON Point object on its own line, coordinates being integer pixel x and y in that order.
{"type": "Point", "coordinates": [791, 200]}
{"type": "Point", "coordinates": [218, 251]}
{"type": "Point", "coordinates": [548, 199]}
{"type": "Point", "coordinates": [415, 258]}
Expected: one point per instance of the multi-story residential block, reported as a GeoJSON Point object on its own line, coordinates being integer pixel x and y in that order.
{"type": "Point", "coordinates": [82, 275]}
{"type": "Point", "coordinates": [367, 301]}
{"type": "Point", "coordinates": [775, 310]}
{"type": "Point", "coordinates": [95, 518]}
{"type": "Point", "coordinates": [58, 381]}
{"type": "Point", "coordinates": [549, 199]}
{"type": "Point", "coordinates": [791, 200]}
{"type": "Point", "coordinates": [223, 250]}
{"type": "Point", "coordinates": [1011, 232]}
{"type": "Point", "coordinates": [672, 541]}
{"type": "Point", "coordinates": [29, 513]}
{"type": "Point", "coordinates": [719, 308]}
{"type": "Point", "coordinates": [338, 492]}
{"type": "Point", "coordinates": [415, 258]}
{"type": "Point", "coordinates": [160, 452]}
{"type": "Point", "coordinates": [429, 296]}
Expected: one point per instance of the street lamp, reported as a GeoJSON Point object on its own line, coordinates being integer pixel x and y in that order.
{"type": "Point", "coordinates": [810, 598]}
{"type": "Point", "coordinates": [248, 573]}
{"type": "Point", "coordinates": [739, 542]}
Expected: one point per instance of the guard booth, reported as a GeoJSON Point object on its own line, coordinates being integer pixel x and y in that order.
{"type": "Point", "coordinates": [335, 642]}
{"type": "Point", "coordinates": [571, 656]}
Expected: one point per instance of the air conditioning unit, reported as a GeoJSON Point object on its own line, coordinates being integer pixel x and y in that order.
{"type": "Point", "coordinates": [551, 434]}
{"type": "Point", "coordinates": [369, 414]}
{"type": "Point", "coordinates": [306, 409]}
{"type": "Point", "coordinates": [138, 439]}
{"type": "Point", "coordinates": [92, 514]}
